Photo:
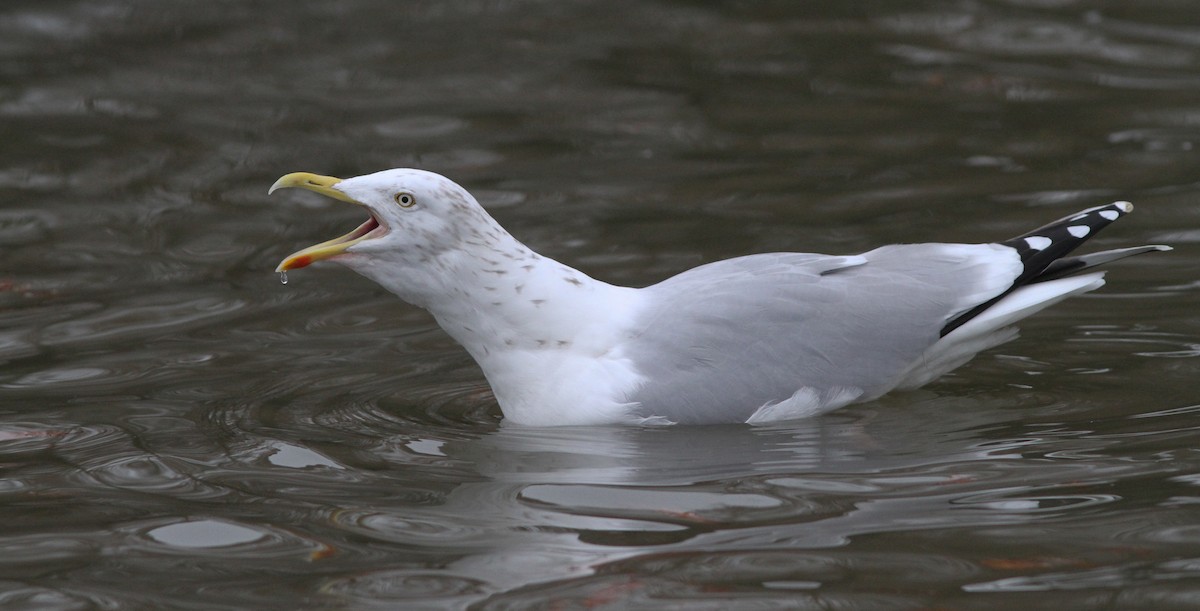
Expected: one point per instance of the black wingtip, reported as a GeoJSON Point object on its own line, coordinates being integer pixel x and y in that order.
{"type": "Point", "coordinates": [1043, 246]}
{"type": "Point", "coordinates": [1042, 251]}
{"type": "Point", "coordinates": [1073, 265]}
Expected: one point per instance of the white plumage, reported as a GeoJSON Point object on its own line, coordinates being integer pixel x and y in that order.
{"type": "Point", "coordinates": [751, 339]}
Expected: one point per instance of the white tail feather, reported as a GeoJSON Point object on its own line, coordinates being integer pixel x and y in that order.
{"type": "Point", "coordinates": [993, 326]}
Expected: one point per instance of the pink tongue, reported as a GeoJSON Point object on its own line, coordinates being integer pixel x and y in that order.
{"type": "Point", "coordinates": [370, 225]}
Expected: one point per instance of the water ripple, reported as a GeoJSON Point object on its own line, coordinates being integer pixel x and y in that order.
{"type": "Point", "coordinates": [15, 595]}
{"type": "Point", "coordinates": [1019, 505]}
{"type": "Point", "coordinates": [202, 537]}
{"type": "Point", "coordinates": [432, 530]}
{"type": "Point", "coordinates": [1108, 577]}
{"type": "Point", "coordinates": [387, 588]}
{"type": "Point", "coordinates": [153, 316]}
{"type": "Point", "coordinates": [182, 431]}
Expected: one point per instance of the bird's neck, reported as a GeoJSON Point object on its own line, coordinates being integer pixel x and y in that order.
{"type": "Point", "coordinates": [497, 295]}
{"type": "Point", "coordinates": [548, 337]}
{"type": "Point", "coordinates": [530, 302]}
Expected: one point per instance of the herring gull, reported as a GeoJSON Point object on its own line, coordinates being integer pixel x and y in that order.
{"type": "Point", "coordinates": [754, 339]}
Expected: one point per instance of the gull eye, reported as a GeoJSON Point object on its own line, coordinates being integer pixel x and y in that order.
{"type": "Point", "coordinates": [406, 200]}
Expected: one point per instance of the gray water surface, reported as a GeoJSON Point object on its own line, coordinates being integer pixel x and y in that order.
{"type": "Point", "coordinates": [178, 430]}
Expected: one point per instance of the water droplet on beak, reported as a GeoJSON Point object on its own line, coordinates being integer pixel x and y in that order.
{"type": "Point", "coordinates": [283, 277]}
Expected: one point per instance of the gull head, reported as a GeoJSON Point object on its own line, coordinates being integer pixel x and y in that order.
{"type": "Point", "coordinates": [414, 216]}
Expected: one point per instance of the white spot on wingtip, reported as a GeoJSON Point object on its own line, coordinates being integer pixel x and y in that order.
{"type": "Point", "coordinates": [1079, 231]}
{"type": "Point", "coordinates": [1111, 215]}
{"type": "Point", "coordinates": [1125, 207]}
{"type": "Point", "coordinates": [1037, 242]}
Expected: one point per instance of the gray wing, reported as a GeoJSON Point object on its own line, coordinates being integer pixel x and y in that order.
{"type": "Point", "coordinates": [720, 341]}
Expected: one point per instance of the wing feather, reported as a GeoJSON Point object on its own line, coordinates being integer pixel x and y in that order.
{"type": "Point", "coordinates": [724, 339]}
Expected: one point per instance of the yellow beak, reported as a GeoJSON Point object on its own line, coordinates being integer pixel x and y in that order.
{"type": "Point", "coordinates": [323, 185]}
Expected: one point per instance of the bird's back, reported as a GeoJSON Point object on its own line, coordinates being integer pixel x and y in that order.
{"type": "Point", "coordinates": [799, 334]}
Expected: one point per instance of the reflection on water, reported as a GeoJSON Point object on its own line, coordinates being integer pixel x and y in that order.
{"type": "Point", "coordinates": [182, 430]}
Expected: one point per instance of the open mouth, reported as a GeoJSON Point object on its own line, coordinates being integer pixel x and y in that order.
{"type": "Point", "coordinates": [366, 230]}
{"type": "Point", "coordinates": [369, 230]}
{"type": "Point", "coordinates": [324, 185]}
